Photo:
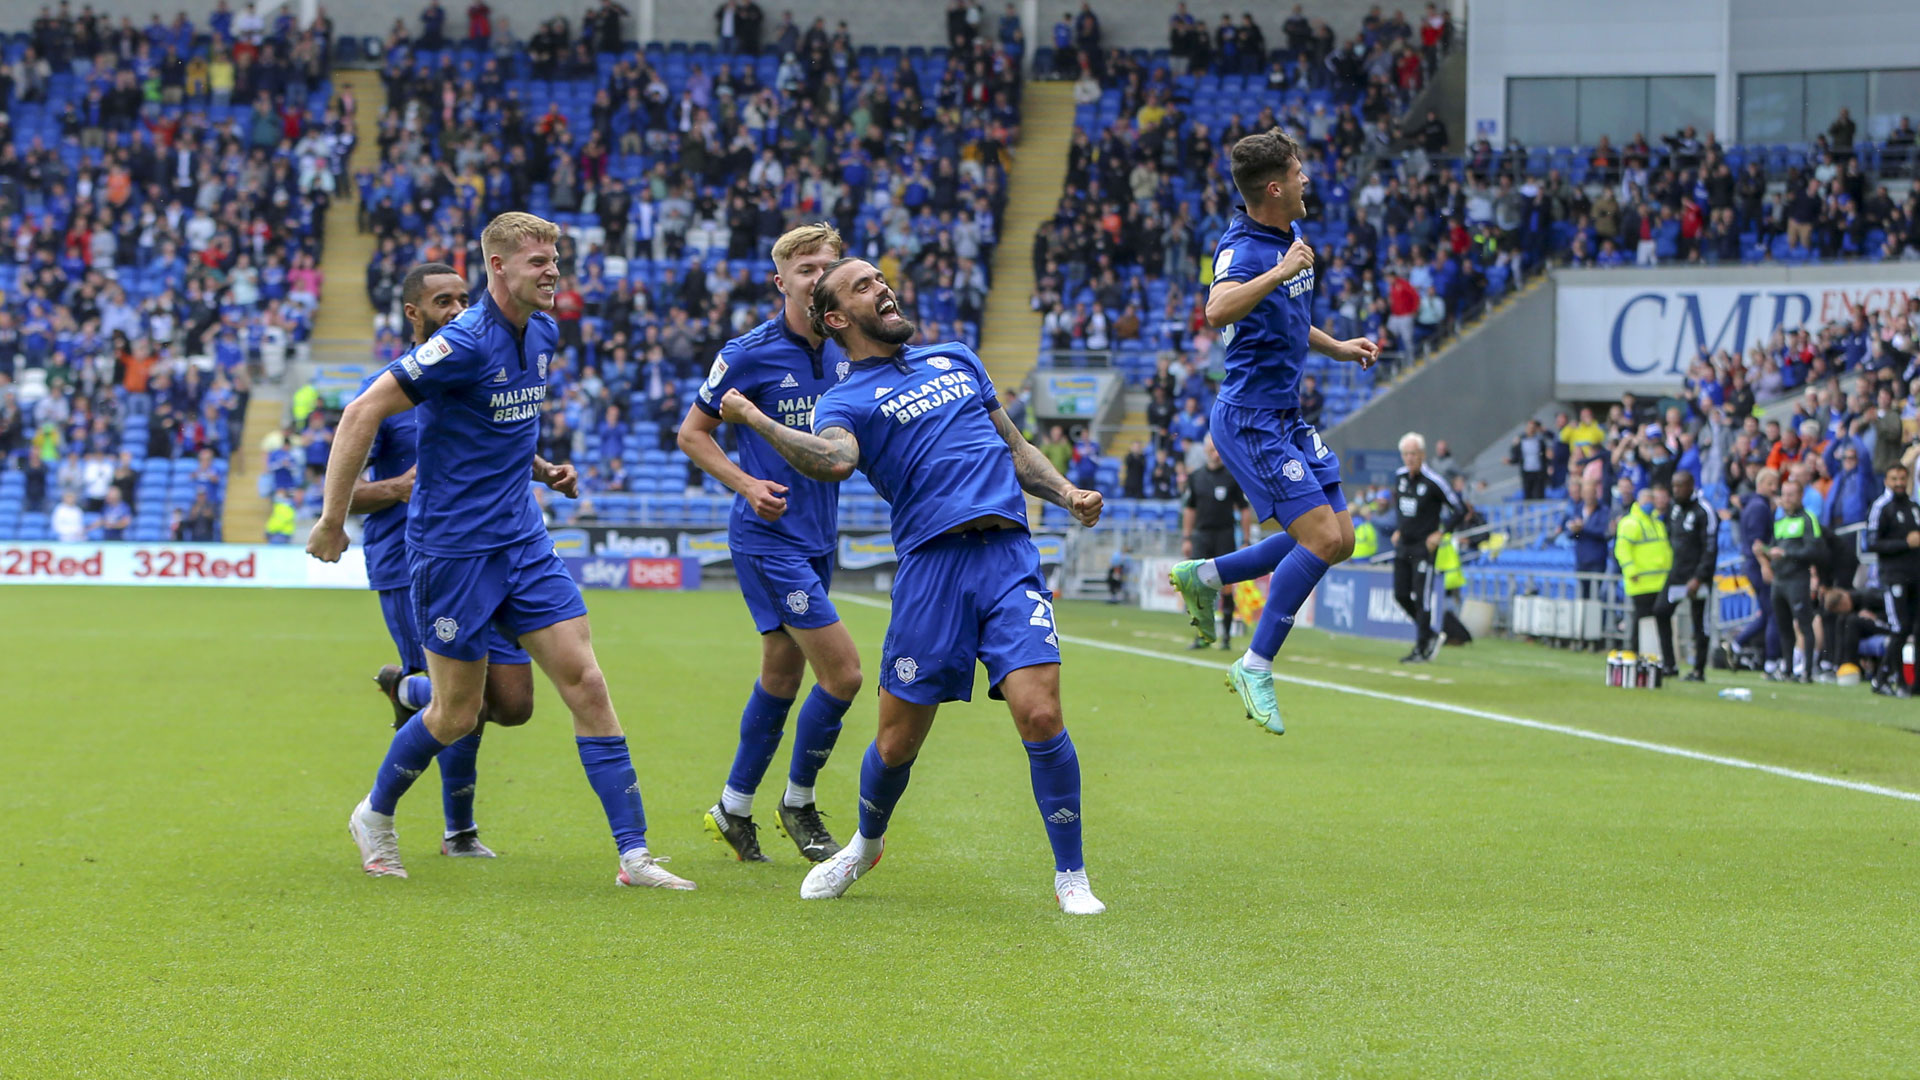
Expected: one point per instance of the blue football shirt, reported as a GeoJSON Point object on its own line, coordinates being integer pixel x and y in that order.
{"type": "Point", "coordinates": [928, 443]}
{"type": "Point", "coordinates": [1266, 350]}
{"type": "Point", "coordinates": [385, 537]}
{"type": "Point", "coordinates": [477, 386]}
{"type": "Point", "coordinates": [779, 372]}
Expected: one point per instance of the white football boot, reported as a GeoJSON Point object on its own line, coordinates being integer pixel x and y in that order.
{"type": "Point", "coordinates": [830, 878]}
{"type": "Point", "coordinates": [1076, 897]}
{"type": "Point", "coordinates": [379, 842]}
{"type": "Point", "coordinates": [640, 868]}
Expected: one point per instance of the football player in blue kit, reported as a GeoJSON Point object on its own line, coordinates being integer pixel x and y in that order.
{"type": "Point", "coordinates": [480, 555]}
{"type": "Point", "coordinates": [782, 536]}
{"type": "Point", "coordinates": [430, 296]}
{"type": "Point", "coordinates": [1262, 302]}
{"type": "Point", "coordinates": [924, 425]}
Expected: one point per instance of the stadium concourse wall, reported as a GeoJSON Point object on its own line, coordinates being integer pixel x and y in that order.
{"type": "Point", "coordinates": [1130, 24]}
{"type": "Point", "coordinates": [1720, 39]}
{"type": "Point", "coordinates": [1470, 395]}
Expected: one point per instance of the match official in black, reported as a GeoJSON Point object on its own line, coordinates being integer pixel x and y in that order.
{"type": "Point", "coordinates": [1693, 530]}
{"type": "Point", "coordinates": [1893, 531]}
{"type": "Point", "coordinates": [1428, 509]}
{"type": "Point", "coordinates": [1208, 510]}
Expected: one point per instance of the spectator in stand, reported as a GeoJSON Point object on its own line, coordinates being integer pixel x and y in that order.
{"type": "Point", "coordinates": [1133, 473]}
{"type": "Point", "coordinates": [116, 517]}
{"type": "Point", "coordinates": [1312, 401]}
{"type": "Point", "coordinates": [1057, 450]}
{"type": "Point", "coordinates": [1531, 452]}
{"type": "Point", "coordinates": [69, 522]}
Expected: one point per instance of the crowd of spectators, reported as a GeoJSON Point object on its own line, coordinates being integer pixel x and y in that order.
{"type": "Point", "coordinates": [163, 192]}
{"type": "Point", "coordinates": [1850, 412]}
{"type": "Point", "coordinates": [673, 168]}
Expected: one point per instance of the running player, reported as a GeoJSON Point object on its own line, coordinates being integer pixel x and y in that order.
{"type": "Point", "coordinates": [782, 537]}
{"type": "Point", "coordinates": [480, 554]}
{"type": "Point", "coordinates": [924, 425]}
{"type": "Point", "coordinates": [1262, 301]}
{"type": "Point", "coordinates": [430, 296]}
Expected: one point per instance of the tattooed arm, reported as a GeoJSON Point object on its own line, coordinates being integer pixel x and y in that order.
{"type": "Point", "coordinates": [830, 455]}
{"type": "Point", "coordinates": [1040, 479]}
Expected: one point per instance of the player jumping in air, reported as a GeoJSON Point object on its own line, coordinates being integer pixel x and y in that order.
{"type": "Point", "coordinates": [430, 296]}
{"type": "Point", "coordinates": [782, 534]}
{"type": "Point", "coordinates": [480, 555]}
{"type": "Point", "coordinates": [924, 425]}
{"type": "Point", "coordinates": [1262, 301]}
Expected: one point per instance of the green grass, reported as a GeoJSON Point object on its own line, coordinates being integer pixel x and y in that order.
{"type": "Point", "coordinates": [1389, 890]}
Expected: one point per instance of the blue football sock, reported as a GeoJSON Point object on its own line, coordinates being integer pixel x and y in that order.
{"type": "Point", "coordinates": [416, 691]}
{"type": "Point", "coordinates": [1296, 576]}
{"type": "Point", "coordinates": [1056, 787]}
{"type": "Point", "coordinates": [459, 772]}
{"type": "Point", "coordinates": [881, 786]}
{"type": "Point", "coordinates": [761, 723]}
{"type": "Point", "coordinates": [814, 736]}
{"type": "Point", "coordinates": [412, 749]}
{"type": "Point", "coordinates": [610, 771]}
{"type": "Point", "coordinates": [1251, 562]}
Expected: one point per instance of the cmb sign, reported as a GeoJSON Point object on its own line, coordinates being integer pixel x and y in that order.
{"type": "Point", "coordinates": [1643, 337]}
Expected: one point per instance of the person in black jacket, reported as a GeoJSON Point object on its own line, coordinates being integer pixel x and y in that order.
{"type": "Point", "coordinates": [1427, 508]}
{"type": "Point", "coordinates": [1692, 529]}
{"type": "Point", "coordinates": [1893, 532]}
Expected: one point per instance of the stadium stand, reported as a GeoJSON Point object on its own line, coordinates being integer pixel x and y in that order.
{"type": "Point", "coordinates": [163, 191]}
{"type": "Point", "coordinates": [672, 167]}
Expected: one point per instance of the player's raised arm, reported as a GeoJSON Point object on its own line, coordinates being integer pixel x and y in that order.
{"type": "Point", "coordinates": [1040, 479]}
{"type": "Point", "coordinates": [359, 423]}
{"type": "Point", "coordinates": [830, 456]}
{"type": "Point", "coordinates": [1229, 301]}
{"type": "Point", "coordinates": [695, 439]}
{"type": "Point", "coordinates": [1362, 351]}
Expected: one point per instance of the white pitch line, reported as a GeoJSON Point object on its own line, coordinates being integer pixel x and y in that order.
{"type": "Point", "coordinates": [1482, 714]}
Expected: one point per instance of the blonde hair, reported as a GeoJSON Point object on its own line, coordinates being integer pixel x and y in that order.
{"type": "Point", "coordinates": [806, 239]}
{"type": "Point", "coordinates": [506, 234]}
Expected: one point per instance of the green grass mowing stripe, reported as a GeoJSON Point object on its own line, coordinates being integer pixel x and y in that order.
{"type": "Point", "coordinates": [1483, 714]}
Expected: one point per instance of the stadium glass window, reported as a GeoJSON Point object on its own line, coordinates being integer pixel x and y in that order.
{"type": "Point", "coordinates": [1567, 112]}
{"type": "Point", "coordinates": [1799, 106]}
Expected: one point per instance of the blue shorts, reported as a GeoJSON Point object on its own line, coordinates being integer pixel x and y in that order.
{"type": "Point", "coordinates": [964, 597]}
{"type": "Point", "coordinates": [1278, 460]}
{"type": "Point", "coordinates": [786, 590]}
{"type": "Point", "coordinates": [459, 602]}
{"type": "Point", "coordinates": [404, 627]}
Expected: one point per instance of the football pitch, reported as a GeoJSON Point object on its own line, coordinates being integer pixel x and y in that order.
{"type": "Point", "coordinates": [1390, 890]}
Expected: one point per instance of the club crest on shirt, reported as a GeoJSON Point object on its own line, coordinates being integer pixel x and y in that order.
{"type": "Point", "coordinates": [543, 365]}
{"type": "Point", "coordinates": [905, 668]}
{"type": "Point", "coordinates": [1294, 471]}
{"type": "Point", "coordinates": [940, 362]}
{"type": "Point", "coordinates": [842, 368]}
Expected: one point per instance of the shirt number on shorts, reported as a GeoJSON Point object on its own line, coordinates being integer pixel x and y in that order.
{"type": "Point", "coordinates": [1042, 616]}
